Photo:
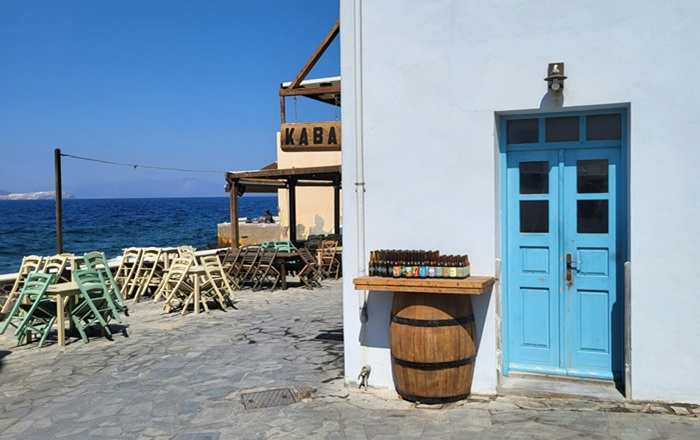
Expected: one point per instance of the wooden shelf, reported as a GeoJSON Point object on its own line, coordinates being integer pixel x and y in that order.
{"type": "Point", "coordinates": [474, 285]}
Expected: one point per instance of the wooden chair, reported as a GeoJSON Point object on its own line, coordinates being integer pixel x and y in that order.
{"type": "Point", "coordinates": [97, 262]}
{"type": "Point", "coordinates": [77, 263]}
{"type": "Point", "coordinates": [56, 266]}
{"type": "Point", "coordinates": [31, 263]}
{"type": "Point", "coordinates": [94, 307]}
{"type": "Point", "coordinates": [266, 270]}
{"type": "Point", "coordinates": [330, 264]}
{"type": "Point", "coordinates": [186, 252]}
{"type": "Point", "coordinates": [217, 280]}
{"type": "Point", "coordinates": [232, 265]}
{"type": "Point", "coordinates": [139, 284]}
{"type": "Point", "coordinates": [127, 268]}
{"type": "Point", "coordinates": [310, 274]}
{"type": "Point", "coordinates": [34, 312]}
{"type": "Point", "coordinates": [176, 287]}
{"type": "Point", "coordinates": [249, 263]}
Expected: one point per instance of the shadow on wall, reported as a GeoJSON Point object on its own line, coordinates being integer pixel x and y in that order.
{"type": "Point", "coordinates": [317, 228]}
{"type": "Point", "coordinates": [375, 331]}
{"type": "Point", "coordinates": [552, 101]}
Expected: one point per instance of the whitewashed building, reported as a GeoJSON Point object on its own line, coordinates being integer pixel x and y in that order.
{"type": "Point", "coordinates": [461, 145]}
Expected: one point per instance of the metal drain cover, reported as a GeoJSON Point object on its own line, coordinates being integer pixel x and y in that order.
{"type": "Point", "coordinates": [269, 398]}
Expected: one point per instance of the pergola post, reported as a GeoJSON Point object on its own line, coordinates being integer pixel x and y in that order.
{"type": "Point", "coordinates": [233, 207]}
{"type": "Point", "coordinates": [291, 183]}
{"type": "Point", "coordinates": [283, 110]}
{"type": "Point", "coordinates": [336, 208]}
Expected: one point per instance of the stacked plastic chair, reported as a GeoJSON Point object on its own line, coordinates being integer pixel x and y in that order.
{"type": "Point", "coordinates": [33, 313]}
{"type": "Point", "coordinates": [95, 307]}
{"type": "Point", "coordinates": [97, 262]}
{"type": "Point", "coordinates": [31, 263]}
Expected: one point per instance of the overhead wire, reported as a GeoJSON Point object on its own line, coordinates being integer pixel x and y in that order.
{"type": "Point", "coordinates": [136, 165]}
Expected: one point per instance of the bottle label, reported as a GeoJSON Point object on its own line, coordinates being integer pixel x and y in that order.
{"type": "Point", "coordinates": [453, 272]}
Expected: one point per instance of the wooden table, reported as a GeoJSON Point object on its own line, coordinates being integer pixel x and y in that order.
{"type": "Point", "coordinates": [281, 261]}
{"type": "Point", "coordinates": [473, 285]}
{"type": "Point", "coordinates": [64, 294]}
{"type": "Point", "coordinates": [195, 271]}
{"type": "Point", "coordinates": [431, 333]}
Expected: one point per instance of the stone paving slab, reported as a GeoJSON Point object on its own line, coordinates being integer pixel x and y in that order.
{"type": "Point", "coordinates": [182, 377]}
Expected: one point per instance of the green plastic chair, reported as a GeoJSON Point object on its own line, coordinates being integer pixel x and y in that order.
{"type": "Point", "coordinates": [284, 246]}
{"type": "Point", "coordinates": [94, 307]}
{"type": "Point", "coordinates": [97, 262]}
{"type": "Point", "coordinates": [34, 312]}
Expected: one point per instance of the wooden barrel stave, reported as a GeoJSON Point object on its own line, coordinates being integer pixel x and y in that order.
{"type": "Point", "coordinates": [432, 346]}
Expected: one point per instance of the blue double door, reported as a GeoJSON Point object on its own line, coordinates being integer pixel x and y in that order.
{"type": "Point", "coordinates": [564, 297]}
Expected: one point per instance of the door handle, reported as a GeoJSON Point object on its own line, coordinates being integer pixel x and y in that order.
{"type": "Point", "coordinates": [569, 270]}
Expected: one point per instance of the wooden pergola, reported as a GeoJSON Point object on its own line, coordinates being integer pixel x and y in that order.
{"type": "Point", "coordinates": [325, 90]}
{"type": "Point", "coordinates": [270, 180]}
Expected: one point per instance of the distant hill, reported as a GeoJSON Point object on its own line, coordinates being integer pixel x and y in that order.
{"type": "Point", "coordinates": [39, 195]}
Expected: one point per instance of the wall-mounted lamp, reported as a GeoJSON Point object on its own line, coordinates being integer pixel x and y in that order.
{"type": "Point", "coordinates": [555, 77]}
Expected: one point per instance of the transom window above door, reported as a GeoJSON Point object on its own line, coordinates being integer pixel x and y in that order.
{"type": "Point", "coordinates": [563, 128]}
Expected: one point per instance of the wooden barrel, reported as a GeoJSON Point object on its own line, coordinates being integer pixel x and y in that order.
{"type": "Point", "coordinates": [432, 346]}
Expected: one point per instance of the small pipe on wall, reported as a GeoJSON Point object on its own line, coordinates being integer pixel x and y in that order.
{"type": "Point", "coordinates": [360, 177]}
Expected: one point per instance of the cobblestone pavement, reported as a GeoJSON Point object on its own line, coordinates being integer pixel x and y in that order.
{"type": "Point", "coordinates": [181, 378]}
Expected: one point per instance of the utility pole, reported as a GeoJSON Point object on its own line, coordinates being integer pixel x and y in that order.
{"type": "Point", "coordinates": [59, 200]}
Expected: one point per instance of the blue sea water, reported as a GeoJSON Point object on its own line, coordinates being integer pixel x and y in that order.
{"type": "Point", "coordinates": [27, 227]}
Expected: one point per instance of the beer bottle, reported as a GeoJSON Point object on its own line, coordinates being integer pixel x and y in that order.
{"type": "Point", "coordinates": [431, 265]}
{"type": "Point", "coordinates": [396, 265]}
{"type": "Point", "coordinates": [403, 264]}
{"type": "Point", "coordinates": [382, 263]}
{"type": "Point", "coordinates": [416, 265]}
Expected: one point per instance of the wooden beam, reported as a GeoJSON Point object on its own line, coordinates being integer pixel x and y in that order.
{"type": "Point", "coordinates": [336, 209]}
{"type": "Point", "coordinates": [272, 183]}
{"type": "Point", "coordinates": [258, 189]}
{"type": "Point", "coordinates": [292, 211]}
{"type": "Point", "coordinates": [314, 183]}
{"type": "Point", "coordinates": [321, 90]}
{"type": "Point", "coordinates": [311, 62]}
{"type": "Point", "coordinates": [323, 173]}
{"type": "Point", "coordinates": [283, 110]}
{"type": "Point", "coordinates": [233, 208]}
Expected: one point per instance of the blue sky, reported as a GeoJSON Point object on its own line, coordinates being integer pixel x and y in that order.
{"type": "Point", "coordinates": [171, 83]}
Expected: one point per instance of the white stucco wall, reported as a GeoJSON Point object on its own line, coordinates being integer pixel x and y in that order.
{"type": "Point", "coordinates": [435, 74]}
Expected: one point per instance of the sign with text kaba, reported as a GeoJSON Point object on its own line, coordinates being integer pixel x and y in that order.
{"type": "Point", "coordinates": [310, 136]}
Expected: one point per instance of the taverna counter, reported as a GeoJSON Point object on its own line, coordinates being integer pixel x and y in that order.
{"type": "Point", "coordinates": [431, 334]}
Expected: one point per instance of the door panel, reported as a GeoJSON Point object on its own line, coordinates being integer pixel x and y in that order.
{"type": "Point", "coordinates": [533, 305]}
{"type": "Point", "coordinates": [590, 236]}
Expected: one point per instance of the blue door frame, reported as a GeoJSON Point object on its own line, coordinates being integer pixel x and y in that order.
{"type": "Point", "coordinates": [576, 341]}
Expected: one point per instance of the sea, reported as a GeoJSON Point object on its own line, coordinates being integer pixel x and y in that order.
{"type": "Point", "coordinates": [27, 227]}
